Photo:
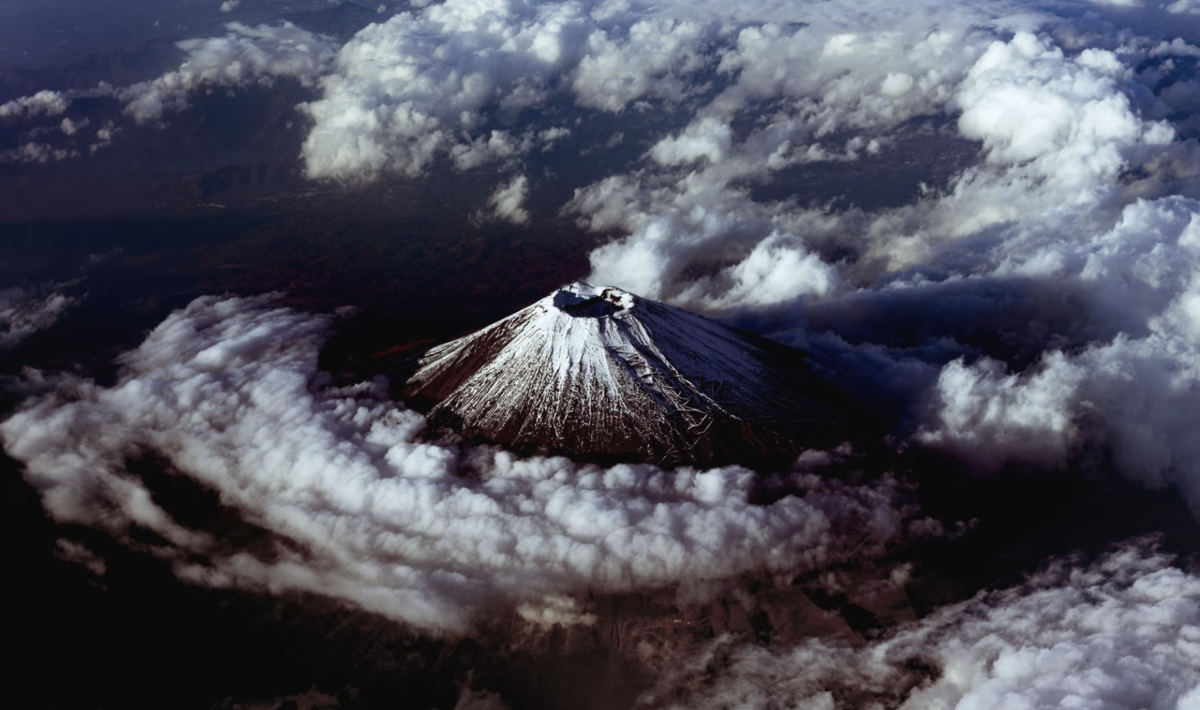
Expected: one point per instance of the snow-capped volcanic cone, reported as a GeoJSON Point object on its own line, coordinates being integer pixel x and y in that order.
{"type": "Point", "coordinates": [600, 372]}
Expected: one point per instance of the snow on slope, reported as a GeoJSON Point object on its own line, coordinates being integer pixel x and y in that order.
{"type": "Point", "coordinates": [599, 371]}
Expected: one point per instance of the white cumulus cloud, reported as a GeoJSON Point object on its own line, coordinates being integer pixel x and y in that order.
{"type": "Point", "coordinates": [243, 56]}
{"type": "Point", "coordinates": [43, 103]}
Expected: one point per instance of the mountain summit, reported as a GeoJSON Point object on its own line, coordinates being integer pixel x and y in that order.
{"type": "Point", "coordinates": [601, 372]}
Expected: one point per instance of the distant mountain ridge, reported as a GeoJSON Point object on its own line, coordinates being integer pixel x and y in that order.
{"type": "Point", "coordinates": [142, 62]}
{"type": "Point", "coordinates": [341, 21]}
{"type": "Point", "coordinates": [600, 372]}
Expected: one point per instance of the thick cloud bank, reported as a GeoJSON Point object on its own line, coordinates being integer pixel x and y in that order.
{"type": "Point", "coordinates": [1123, 633]}
{"type": "Point", "coordinates": [431, 81]}
{"type": "Point", "coordinates": [227, 392]}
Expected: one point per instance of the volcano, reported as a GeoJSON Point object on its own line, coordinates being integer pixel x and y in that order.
{"type": "Point", "coordinates": [603, 374]}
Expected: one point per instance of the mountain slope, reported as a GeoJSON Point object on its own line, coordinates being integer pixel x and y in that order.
{"type": "Point", "coordinates": [600, 372]}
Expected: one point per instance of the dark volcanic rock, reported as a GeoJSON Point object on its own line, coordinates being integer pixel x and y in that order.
{"type": "Point", "coordinates": [601, 373]}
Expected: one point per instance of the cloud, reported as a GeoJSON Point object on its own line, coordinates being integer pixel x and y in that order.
{"type": "Point", "coordinates": [990, 416]}
{"type": "Point", "coordinates": [856, 87]}
{"type": "Point", "coordinates": [422, 83]}
{"type": "Point", "coordinates": [47, 143]}
{"type": "Point", "coordinates": [79, 554]}
{"type": "Point", "coordinates": [70, 127]}
{"type": "Point", "coordinates": [1075, 117]}
{"type": "Point", "coordinates": [1084, 184]}
{"type": "Point", "coordinates": [244, 56]}
{"type": "Point", "coordinates": [24, 310]}
{"type": "Point", "coordinates": [653, 57]}
{"type": "Point", "coordinates": [710, 139]}
{"type": "Point", "coordinates": [104, 136]}
{"type": "Point", "coordinates": [36, 153]}
{"type": "Point", "coordinates": [1131, 394]}
{"type": "Point", "coordinates": [1077, 134]}
{"type": "Point", "coordinates": [1121, 633]}
{"type": "Point", "coordinates": [501, 145]}
{"type": "Point", "coordinates": [1184, 7]}
{"type": "Point", "coordinates": [227, 392]}
{"type": "Point", "coordinates": [229, 5]}
{"type": "Point", "coordinates": [404, 90]}
{"type": "Point", "coordinates": [43, 103]}
{"type": "Point", "coordinates": [506, 201]}
{"type": "Point", "coordinates": [1036, 307]}
{"type": "Point", "coordinates": [1081, 191]}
